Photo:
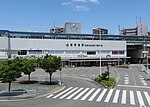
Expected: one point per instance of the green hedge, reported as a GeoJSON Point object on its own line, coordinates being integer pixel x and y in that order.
{"type": "Point", "coordinates": [123, 66]}
{"type": "Point", "coordinates": [98, 79]}
{"type": "Point", "coordinates": [106, 83]}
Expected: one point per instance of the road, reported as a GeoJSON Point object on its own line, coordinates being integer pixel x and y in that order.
{"type": "Point", "coordinates": [132, 90]}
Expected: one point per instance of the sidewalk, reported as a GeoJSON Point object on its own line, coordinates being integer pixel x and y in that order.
{"type": "Point", "coordinates": [39, 83]}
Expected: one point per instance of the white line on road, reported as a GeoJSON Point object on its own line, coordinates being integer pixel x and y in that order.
{"type": "Point", "coordinates": [62, 92]}
{"type": "Point", "coordinates": [83, 98]}
{"type": "Point", "coordinates": [94, 95]}
{"type": "Point", "coordinates": [115, 100]}
{"type": "Point", "coordinates": [123, 101]}
{"type": "Point", "coordinates": [132, 86]}
{"type": "Point", "coordinates": [49, 96]}
{"type": "Point", "coordinates": [68, 93]}
{"type": "Point", "coordinates": [140, 99]}
{"type": "Point", "coordinates": [101, 95]}
{"type": "Point", "coordinates": [72, 95]}
{"type": "Point", "coordinates": [132, 100]}
{"type": "Point", "coordinates": [108, 95]}
{"type": "Point", "coordinates": [147, 97]}
{"type": "Point", "coordinates": [81, 94]}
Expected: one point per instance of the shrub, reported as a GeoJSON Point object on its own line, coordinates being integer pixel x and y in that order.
{"type": "Point", "coordinates": [123, 66]}
{"type": "Point", "coordinates": [98, 79]}
{"type": "Point", "coordinates": [104, 75]}
{"type": "Point", "coordinates": [107, 83]}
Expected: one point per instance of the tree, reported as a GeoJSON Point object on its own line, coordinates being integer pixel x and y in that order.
{"type": "Point", "coordinates": [29, 66]}
{"type": "Point", "coordinates": [10, 70]}
{"type": "Point", "coordinates": [50, 64]}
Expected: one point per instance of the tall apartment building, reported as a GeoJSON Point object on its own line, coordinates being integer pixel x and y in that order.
{"type": "Point", "coordinates": [70, 27]}
{"type": "Point", "coordinates": [100, 31]}
{"type": "Point", "coordinates": [140, 30]}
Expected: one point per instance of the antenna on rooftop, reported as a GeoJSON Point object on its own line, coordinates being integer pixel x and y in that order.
{"type": "Point", "coordinates": [136, 20]}
{"type": "Point", "coordinates": [140, 19]}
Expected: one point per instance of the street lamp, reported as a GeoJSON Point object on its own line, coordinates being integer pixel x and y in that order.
{"type": "Point", "coordinates": [108, 56]}
{"type": "Point", "coordinates": [100, 51]}
{"type": "Point", "coordinates": [60, 82]}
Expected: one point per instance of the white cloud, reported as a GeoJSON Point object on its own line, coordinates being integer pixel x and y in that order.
{"type": "Point", "coordinates": [81, 8]}
{"type": "Point", "coordinates": [92, 1]}
{"type": "Point", "coordinates": [80, 5]}
{"type": "Point", "coordinates": [65, 3]}
{"type": "Point", "coordinates": [79, 0]}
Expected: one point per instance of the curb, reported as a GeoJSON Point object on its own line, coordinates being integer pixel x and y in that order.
{"type": "Point", "coordinates": [55, 90]}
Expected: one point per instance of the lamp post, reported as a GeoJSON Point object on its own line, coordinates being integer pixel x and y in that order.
{"type": "Point", "coordinates": [100, 51]}
{"type": "Point", "coordinates": [108, 56]}
{"type": "Point", "coordinates": [60, 82]}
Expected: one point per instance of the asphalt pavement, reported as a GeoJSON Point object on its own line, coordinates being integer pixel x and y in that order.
{"type": "Point", "coordinates": [132, 90]}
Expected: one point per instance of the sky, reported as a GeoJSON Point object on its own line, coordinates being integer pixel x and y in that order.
{"type": "Point", "coordinates": [40, 15]}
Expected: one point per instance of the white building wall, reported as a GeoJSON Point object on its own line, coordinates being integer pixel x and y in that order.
{"type": "Point", "coordinates": [3, 47]}
{"type": "Point", "coordinates": [56, 44]}
{"type": "Point", "coordinates": [63, 47]}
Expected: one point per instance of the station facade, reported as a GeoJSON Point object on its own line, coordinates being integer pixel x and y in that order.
{"type": "Point", "coordinates": [74, 49]}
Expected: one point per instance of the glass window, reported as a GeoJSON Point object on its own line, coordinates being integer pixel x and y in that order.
{"type": "Point", "coordinates": [91, 53]}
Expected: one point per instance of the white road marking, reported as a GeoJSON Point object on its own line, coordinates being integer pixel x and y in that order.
{"type": "Point", "coordinates": [109, 95]}
{"type": "Point", "coordinates": [72, 95]}
{"type": "Point", "coordinates": [123, 101]}
{"type": "Point", "coordinates": [63, 92]}
{"type": "Point", "coordinates": [115, 100]}
{"type": "Point", "coordinates": [101, 95]}
{"type": "Point", "coordinates": [133, 86]}
{"type": "Point", "coordinates": [68, 93]}
{"type": "Point", "coordinates": [83, 98]}
{"type": "Point", "coordinates": [147, 97]}
{"type": "Point", "coordinates": [140, 99]}
{"type": "Point", "coordinates": [81, 94]}
{"type": "Point", "coordinates": [94, 95]}
{"type": "Point", "coordinates": [49, 96]}
{"type": "Point", "coordinates": [132, 100]}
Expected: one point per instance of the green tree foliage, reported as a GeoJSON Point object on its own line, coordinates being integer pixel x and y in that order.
{"type": "Point", "coordinates": [104, 75]}
{"type": "Point", "coordinates": [28, 67]}
{"type": "Point", "coordinates": [50, 64]}
{"type": "Point", "coordinates": [10, 70]}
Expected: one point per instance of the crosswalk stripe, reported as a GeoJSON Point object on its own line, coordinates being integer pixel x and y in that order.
{"type": "Point", "coordinates": [49, 96]}
{"type": "Point", "coordinates": [94, 95]}
{"type": "Point", "coordinates": [132, 100]}
{"type": "Point", "coordinates": [81, 94]}
{"type": "Point", "coordinates": [123, 101]}
{"type": "Point", "coordinates": [62, 92]}
{"type": "Point", "coordinates": [140, 99]}
{"type": "Point", "coordinates": [72, 95]}
{"type": "Point", "coordinates": [83, 98]}
{"type": "Point", "coordinates": [147, 97]}
{"type": "Point", "coordinates": [115, 100]}
{"type": "Point", "coordinates": [84, 93]}
{"type": "Point", "coordinates": [68, 93]}
{"type": "Point", "coordinates": [108, 95]}
{"type": "Point", "coordinates": [101, 95]}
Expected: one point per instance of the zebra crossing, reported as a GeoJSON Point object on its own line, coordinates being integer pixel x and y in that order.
{"type": "Point", "coordinates": [104, 95]}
